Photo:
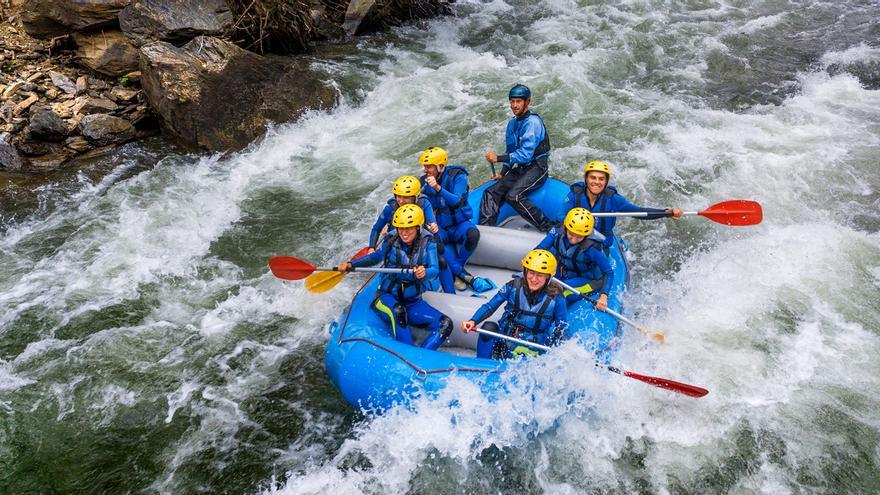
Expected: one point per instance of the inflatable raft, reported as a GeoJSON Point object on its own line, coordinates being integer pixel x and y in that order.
{"type": "Point", "coordinates": [374, 371]}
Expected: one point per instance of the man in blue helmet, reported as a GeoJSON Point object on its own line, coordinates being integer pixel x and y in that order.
{"type": "Point", "coordinates": [525, 164]}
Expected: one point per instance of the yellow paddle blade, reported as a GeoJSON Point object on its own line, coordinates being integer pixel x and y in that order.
{"type": "Point", "coordinates": [658, 336]}
{"type": "Point", "coordinates": [321, 282]}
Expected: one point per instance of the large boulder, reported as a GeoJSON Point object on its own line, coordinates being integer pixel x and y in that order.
{"type": "Point", "coordinates": [10, 159]}
{"type": "Point", "coordinates": [108, 52]}
{"type": "Point", "coordinates": [46, 124]}
{"type": "Point", "coordinates": [174, 21]}
{"type": "Point", "coordinates": [102, 129]}
{"type": "Point", "coordinates": [48, 18]}
{"type": "Point", "coordinates": [216, 96]}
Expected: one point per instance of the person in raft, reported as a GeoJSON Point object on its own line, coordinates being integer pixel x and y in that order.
{"type": "Point", "coordinates": [596, 195]}
{"type": "Point", "coordinates": [447, 189]}
{"type": "Point", "coordinates": [399, 298]}
{"type": "Point", "coordinates": [404, 191]}
{"type": "Point", "coordinates": [535, 311]}
{"type": "Point", "coordinates": [525, 164]}
{"type": "Point", "coordinates": [582, 262]}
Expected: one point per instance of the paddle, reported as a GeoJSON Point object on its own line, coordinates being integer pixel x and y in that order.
{"type": "Point", "coordinates": [658, 336]}
{"type": "Point", "coordinates": [323, 281]}
{"type": "Point", "coordinates": [290, 268]}
{"type": "Point", "coordinates": [665, 383]}
{"type": "Point", "coordinates": [737, 212]}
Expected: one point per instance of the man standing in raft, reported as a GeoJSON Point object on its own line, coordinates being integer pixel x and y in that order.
{"type": "Point", "coordinates": [582, 262]}
{"type": "Point", "coordinates": [446, 187]}
{"type": "Point", "coordinates": [525, 164]}
{"type": "Point", "coordinates": [596, 195]}
{"type": "Point", "coordinates": [535, 311]}
{"type": "Point", "coordinates": [399, 298]}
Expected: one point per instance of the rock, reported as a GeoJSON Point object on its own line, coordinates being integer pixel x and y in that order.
{"type": "Point", "coordinates": [98, 84]}
{"type": "Point", "coordinates": [78, 144]}
{"type": "Point", "coordinates": [64, 109]}
{"type": "Point", "coordinates": [103, 129]}
{"type": "Point", "coordinates": [48, 18]}
{"type": "Point", "coordinates": [174, 21]}
{"type": "Point", "coordinates": [12, 89]}
{"type": "Point", "coordinates": [51, 93]}
{"type": "Point", "coordinates": [48, 162]}
{"type": "Point", "coordinates": [213, 95]}
{"type": "Point", "coordinates": [46, 124]}
{"type": "Point", "coordinates": [355, 13]}
{"type": "Point", "coordinates": [35, 77]}
{"type": "Point", "coordinates": [122, 94]}
{"type": "Point", "coordinates": [62, 82]}
{"type": "Point", "coordinates": [10, 158]}
{"type": "Point", "coordinates": [25, 104]}
{"type": "Point", "coordinates": [82, 85]}
{"type": "Point", "coordinates": [107, 52]}
{"type": "Point", "coordinates": [87, 105]}
{"type": "Point", "coordinates": [133, 77]}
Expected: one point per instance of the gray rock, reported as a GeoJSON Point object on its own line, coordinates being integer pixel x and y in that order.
{"type": "Point", "coordinates": [10, 159]}
{"type": "Point", "coordinates": [174, 21]}
{"type": "Point", "coordinates": [78, 144]}
{"type": "Point", "coordinates": [62, 82]}
{"type": "Point", "coordinates": [102, 129]}
{"type": "Point", "coordinates": [48, 162]}
{"type": "Point", "coordinates": [213, 95]}
{"type": "Point", "coordinates": [46, 124]}
{"type": "Point", "coordinates": [107, 52]}
{"type": "Point", "coordinates": [50, 18]}
{"type": "Point", "coordinates": [355, 13]}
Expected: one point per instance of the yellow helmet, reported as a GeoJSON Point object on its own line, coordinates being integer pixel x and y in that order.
{"type": "Point", "coordinates": [597, 166]}
{"type": "Point", "coordinates": [406, 186]}
{"type": "Point", "coordinates": [541, 261]}
{"type": "Point", "coordinates": [408, 216]}
{"type": "Point", "coordinates": [579, 221]}
{"type": "Point", "coordinates": [434, 156]}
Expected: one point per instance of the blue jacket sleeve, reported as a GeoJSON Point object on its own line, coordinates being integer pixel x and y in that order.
{"type": "Point", "coordinates": [599, 258]}
{"type": "Point", "coordinates": [619, 203]}
{"type": "Point", "coordinates": [531, 135]}
{"type": "Point", "coordinates": [458, 192]}
{"type": "Point", "coordinates": [382, 221]}
{"type": "Point", "coordinates": [429, 212]}
{"type": "Point", "coordinates": [430, 261]}
{"type": "Point", "coordinates": [547, 243]}
{"type": "Point", "coordinates": [567, 205]}
{"type": "Point", "coordinates": [490, 307]}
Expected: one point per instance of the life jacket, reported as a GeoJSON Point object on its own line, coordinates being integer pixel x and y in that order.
{"type": "Point", "coordinates": [543, 149]}
{"type": "Point", "coordinates": [449, 216]}
{"type": "Point", "coordinates": [420, 200]}
{"type": "Point", "coordinates": [401, 255]}
{"type": "Point", "coordinates": [528, 321]}
{"type": "Point", "coordinates": [603, 224]}
{"type": "Point", "coordinates": [574, 259]}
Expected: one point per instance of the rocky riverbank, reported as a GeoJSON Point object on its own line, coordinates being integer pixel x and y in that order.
{"type": "Point", "coordinates": [78, 78]}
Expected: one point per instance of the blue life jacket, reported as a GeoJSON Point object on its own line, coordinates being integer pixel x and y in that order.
{"type": "Point", "coordinates": [574, 259]}
{"type": "Point", "coordinates": [450, 215]}
{"type": "Point", "coordinates": [401, 255]}
{"type": "Point", "coordinates": [528, 321]}
{"type": "Point", "coordinates": [603, 224]}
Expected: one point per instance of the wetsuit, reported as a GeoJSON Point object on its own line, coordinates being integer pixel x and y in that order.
{"type": "Point", "coordinates": [533, 316]}
{"type": "Point", "coordinates": [608, 202]}
{"type": "Point", "coordinates": [525, 170]}
{"type": "Point", "coordinates": [399, 298]}
{"type": "Point", "coordinates": [583, 266]}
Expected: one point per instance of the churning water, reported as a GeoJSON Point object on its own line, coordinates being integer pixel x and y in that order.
{"type": "Point", "coordinates": [144, 347]}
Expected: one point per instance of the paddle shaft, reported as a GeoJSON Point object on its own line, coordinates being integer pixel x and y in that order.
{"type": "Point", "coordinates": [366, 269]}
{"type": "Point", "coordinates": [664, 383]}
{"type": "Point", "coordinates": [607, 310]}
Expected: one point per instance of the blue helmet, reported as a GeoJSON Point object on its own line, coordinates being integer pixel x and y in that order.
{"type": "Point", "coordinates": [519, 91]}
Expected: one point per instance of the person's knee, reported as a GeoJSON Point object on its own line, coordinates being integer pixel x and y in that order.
{"type": "Point", "coordinates": [441, 263]}
{"type": "Point", "coordinates": [472, 238]}
{"type": "Point", "coordinates": [490, 326]}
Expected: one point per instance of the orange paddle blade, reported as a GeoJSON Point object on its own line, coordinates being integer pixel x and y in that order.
{"type": "Point", "coordinates": [290, 268]}
{"type": "Point", "coordinates": [738, 212]}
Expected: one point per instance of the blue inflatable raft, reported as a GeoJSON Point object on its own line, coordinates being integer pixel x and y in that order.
{"type": "Point", "coordinates": [374, 371]}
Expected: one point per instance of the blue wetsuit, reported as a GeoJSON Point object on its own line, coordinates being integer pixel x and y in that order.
{"type": "Point", "coordinates": [399, 298]}
{"type": "Point", "coordinates": [583, 266]}
{"type": "Point", "coordinates": [608, 202]}
{"type": "Point", "coordinates": [457, 231]}
{"type": "Point", "coordinates": [536, 317]}
{"type": "Point", "coordinates": [527, 148]}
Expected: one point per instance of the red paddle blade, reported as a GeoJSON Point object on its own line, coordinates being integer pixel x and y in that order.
{"type": "Point", "coordinates": [290, 268]}
{"type": "Point", "coordinates": [682, 388]}
{"type": "Point", "coordinates": [738, 212]}
{"type": "Point", "coordinates": [363, 252]}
